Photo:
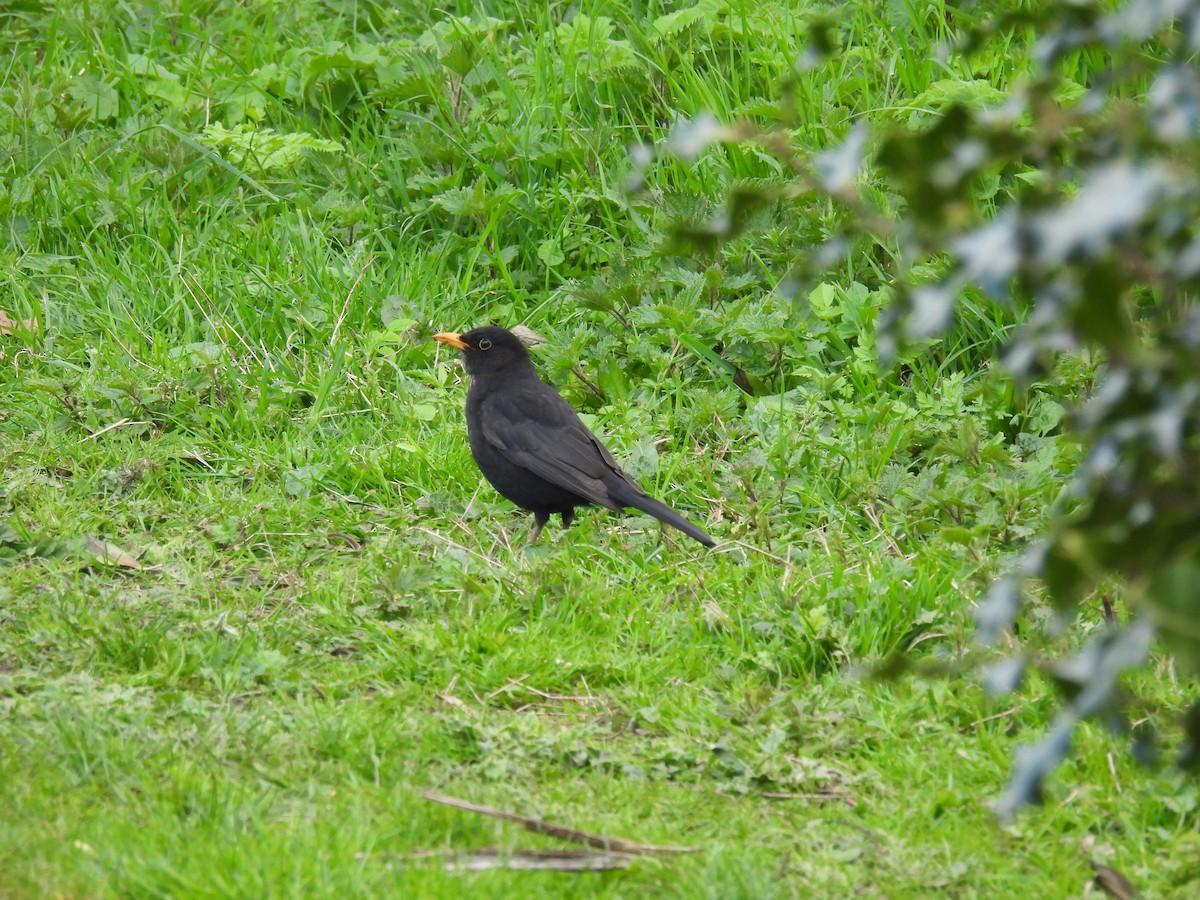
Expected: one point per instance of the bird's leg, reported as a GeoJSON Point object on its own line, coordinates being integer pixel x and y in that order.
{"type": "Point", "coordinates": [539, 522]}
{"type": "Point", "coordinates": [568, 516]}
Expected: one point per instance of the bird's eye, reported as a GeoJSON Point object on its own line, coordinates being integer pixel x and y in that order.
{"type": "Point", "coordinates": [485, 344]}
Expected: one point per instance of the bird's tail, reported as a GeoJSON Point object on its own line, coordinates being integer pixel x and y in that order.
{"type": "Point", "coordinates": [627, 495]}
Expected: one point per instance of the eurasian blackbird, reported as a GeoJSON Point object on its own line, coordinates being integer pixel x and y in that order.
{"type": "Point", "coordinates": [530, 444]}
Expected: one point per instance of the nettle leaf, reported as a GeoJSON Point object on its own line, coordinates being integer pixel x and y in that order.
{"type": "Point", "coordinates": [245, 97]}
{"type": "Point", "coordinates": [588, 39]}
{"type": "Point", "coordinates": [156, 80]}
{"type": "Point", "coordinates": [406, 75]}
{"type": "Point", "coordinates": [337, 56]}
{"type": "Point", "coordinates": [303, 480]}
{"type": "Point", "coordinates": [928, 106]}
{"type": "Point", "coordinates": [98, 98]}
{"type": "Point", "coordinates": [263, 149]}
{"type": "Point", "coordinates": [457, 40]}
{"type": "Point", "coordinates": [550, 252]}
{"type": "Point", "coordinates": [244, 103]}
{"type": "Point", "coordinates": [704, 16]}
{"type": "Point", "coordinates": [479, 200]}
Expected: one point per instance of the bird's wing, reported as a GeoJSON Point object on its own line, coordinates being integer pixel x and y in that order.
{"type": "Point", "coordinates": [538, 430]}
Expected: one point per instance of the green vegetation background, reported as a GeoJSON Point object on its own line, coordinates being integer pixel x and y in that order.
{"type": "Point", "coordinates": [253, 594]}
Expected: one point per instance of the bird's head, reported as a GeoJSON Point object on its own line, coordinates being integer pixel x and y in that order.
{"type": "Point", "coordinates": [486, 350]}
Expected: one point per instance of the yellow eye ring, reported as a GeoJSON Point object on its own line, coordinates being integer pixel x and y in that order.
{"type": "Point", "coordinates": [485, 344]}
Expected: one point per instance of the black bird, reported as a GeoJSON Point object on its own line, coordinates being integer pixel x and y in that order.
{"type": "Point", "coordinates": [530, 444]}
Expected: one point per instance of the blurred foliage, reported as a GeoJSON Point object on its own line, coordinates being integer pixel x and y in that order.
{"type": "Point", "coordinates": [1077, 202]}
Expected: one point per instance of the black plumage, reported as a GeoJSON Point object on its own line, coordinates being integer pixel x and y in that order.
{"type": "Point", "coordinates": [530, 444]}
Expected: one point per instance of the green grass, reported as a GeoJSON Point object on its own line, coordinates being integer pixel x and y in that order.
{"type": "Point", "coordinates": [232, 382]}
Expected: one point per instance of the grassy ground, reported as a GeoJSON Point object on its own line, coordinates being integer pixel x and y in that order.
{"type": "Point", "coordinates": [253, 594]}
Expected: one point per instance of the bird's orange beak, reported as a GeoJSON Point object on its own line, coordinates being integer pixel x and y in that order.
{"type": "Point", "coordinates": [449, 337]}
